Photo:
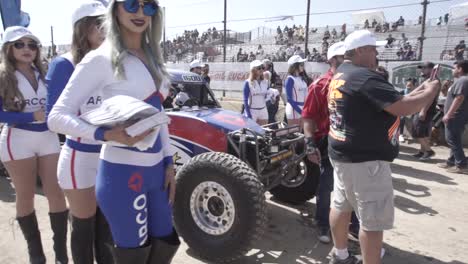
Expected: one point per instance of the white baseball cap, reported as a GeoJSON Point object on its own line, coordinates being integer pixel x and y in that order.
{"type": "Point", "coordinates": [337, 49]}
{"type": "Point", "coordinates": [295, 59]}
{"type": "Point", "coordinates": [196, 64]}
{"type": "Point", "coordinates": [88, 8]}
{"type": "Point", "coordinates": [16, 32]}
{"type": "Point", "coordinates": [255, 64]}
{"type": "Point", "coordinates": [361, 38]}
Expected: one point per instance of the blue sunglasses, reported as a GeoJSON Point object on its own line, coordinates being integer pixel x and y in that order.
{"type": "Point", "coordinates": [149, 7]}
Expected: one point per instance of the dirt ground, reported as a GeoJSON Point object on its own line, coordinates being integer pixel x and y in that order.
{"type": "Point", "coordinates": [430, 224]}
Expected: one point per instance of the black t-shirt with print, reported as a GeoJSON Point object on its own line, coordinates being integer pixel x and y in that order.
{"type": "Point", "coordinates": [360, 129]}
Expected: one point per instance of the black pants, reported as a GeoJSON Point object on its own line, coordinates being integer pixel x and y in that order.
{"type": "Point", "coordinates": [272, 111]}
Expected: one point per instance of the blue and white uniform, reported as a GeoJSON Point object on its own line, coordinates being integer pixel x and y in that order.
{"type": "Point", "coordinates": [296, 92]}
{"type": "Point", "coordinates": [21, 136]}
{"type": "Point", "coordinates": [79, 157]}
{"type": "Point", "coordinates": [255, 94]}
{"type": "Point", "coordinates": [130, 183]}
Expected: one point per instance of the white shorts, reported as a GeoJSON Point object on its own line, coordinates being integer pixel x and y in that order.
{"type": "Point", "coordinates": [77, 169]}
{"type": "Point", "coordinates": [18, 144]}
{"type": "Point", "coordinates": [259, 114]}
{"type": "Point", "coordinates": [291, 114]}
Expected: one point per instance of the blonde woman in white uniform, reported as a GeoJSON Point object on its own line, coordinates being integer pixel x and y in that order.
{"type": "Point", "coordinates": [296, 90]}
{"type": "Point", "coordinates": [255, 92]}
{"type": "Point", "coordinates": [27, 147]}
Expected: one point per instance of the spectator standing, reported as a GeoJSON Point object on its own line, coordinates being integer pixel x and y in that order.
{"type": "Point", "coordinates": [366, 24]}
{"type": "Point", "coordinates": [410, 85]}
{"type": "Point", "coordinates": [439, 21]}
{"type": "Point", "coordinates": [299, 52]}
{"type": "Point", "coordinates": [422, 121]}
{"type": "Point", "coordinates": [390, 41]}
{"type": "Point", "coordinates": [401, 21]}
{"type": "Point", "coordinates": [420, 20]}
{"type": "Point", "coordinates": [205, 73]}
{"type": "Point", "coordinates": [324, 47]}
{"type": "Point", "coordinates": [455, 119]}
{"type": "Point", "coordinates": [446, 18]}
{"type": "Point", "coordinates": [260, 52]}
{"type": "Point", "coordinates": [460, 50]}
{"type": "Point", "coordinates": [252, 56]}
{"type": "Point", "coordinates": [363, 140]}
{"type": "Point", "coordinates": [343, 31]}
{"type": "Point", "coordinates": [239, 55]}
{"type": "Point", "coordinates": [316, 128]}
{"type": "Point", "coordinates": [374, 23]}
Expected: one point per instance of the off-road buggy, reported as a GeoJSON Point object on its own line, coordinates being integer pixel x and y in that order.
{"type": "Point", "coordinates": [225, 164]}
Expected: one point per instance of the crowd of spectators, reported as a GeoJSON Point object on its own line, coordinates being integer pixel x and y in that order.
{"type": "Point", "coordinates": [192, 41]}
{"type": "Point", "coordinates": [384, 27]}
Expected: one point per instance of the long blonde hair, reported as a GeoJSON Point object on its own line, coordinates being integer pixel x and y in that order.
{"type": "Point", "coordinates": [13, 99]}
{"type": "Point", "coordinates": [253, 76]}
{"type": "Point", "coordinates": [150, 44]}
{"type": "Point", "coordinates": [80, 44]}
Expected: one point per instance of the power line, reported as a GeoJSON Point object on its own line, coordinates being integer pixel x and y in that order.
{"type": "Point", "coordinates": [311, 14]}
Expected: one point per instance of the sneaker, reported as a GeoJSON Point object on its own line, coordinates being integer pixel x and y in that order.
{"type": "Point", "coordinates": [445, 165]}
{"type": "Point", "coordinates": [324, 235]}
{"type": "Point", "coordinates": [457, 169]}
{"type": "Point", "coordinates": [350, 260]}
{"type": "Point", "coordinates": [401, 139]}
{"type": "Point", "coordinates": [418, 155]}
{"type": "Point", "coordinates": [427, 155]}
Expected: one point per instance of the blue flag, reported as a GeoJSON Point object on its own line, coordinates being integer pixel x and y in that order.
{"type": "Point", "coordinates": [10, 11]}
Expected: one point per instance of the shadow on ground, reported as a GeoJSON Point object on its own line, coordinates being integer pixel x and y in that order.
{"type": "Point", "coordinates": [7, 193]}
{"type": "Point", "coordinates": [291, 238]}
{"type": "Point", "coordinates": [421, 174]}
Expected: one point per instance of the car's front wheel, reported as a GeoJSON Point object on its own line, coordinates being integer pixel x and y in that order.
{"type": "Point", "coordinates": [220, 207]}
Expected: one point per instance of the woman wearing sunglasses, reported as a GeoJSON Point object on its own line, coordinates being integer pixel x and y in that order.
{"type": "Point", "coordinates": [79, 157]}
{"type": "Point", "coordinates": [296, 90]}
{"type": "Point", "coordinates": [255, 92]}
{"type": "Point", "coordinates": [27, 147]}
{"type": "Point", "coordinates": [134, 189]}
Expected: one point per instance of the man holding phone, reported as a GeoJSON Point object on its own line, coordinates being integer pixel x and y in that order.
{"type": "Point", "coordinates": [422, 121]}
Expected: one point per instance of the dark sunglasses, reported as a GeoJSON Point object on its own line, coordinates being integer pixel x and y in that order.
{"type": "Point", "coordinates": [260, 68]}
{"type": "Point", "coordinates": [149, 7]}
{"type": "Point", "coordinates": [21, 45]}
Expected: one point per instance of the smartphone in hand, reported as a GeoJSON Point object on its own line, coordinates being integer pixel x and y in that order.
{"type": "Point", "coordinates": [435, 72]}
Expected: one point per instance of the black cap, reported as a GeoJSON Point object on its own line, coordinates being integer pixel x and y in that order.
{"type": "Point", "coordinates": [427, 64]}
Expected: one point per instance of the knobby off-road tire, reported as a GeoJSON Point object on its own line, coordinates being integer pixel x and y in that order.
{"type": "Point", "coordinates": [301, 191]}
{"type": "Point", "coordinates": [220, 207]}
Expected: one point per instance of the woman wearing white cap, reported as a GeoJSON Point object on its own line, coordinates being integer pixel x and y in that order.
{"type": "Point", "coordinates": [78, 162]}
{"type": "Point", "coordinates": [296, 90]}
{"type": "Point", "coordinates": [134, 189]}
{"type": "Point", "coordinates": [255, 92]}
{"type": "Point", "coordinates": [27, 147]}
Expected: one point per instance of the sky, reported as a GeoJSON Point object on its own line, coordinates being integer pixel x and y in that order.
{"type": "Point", "coordinates": [186, 14]}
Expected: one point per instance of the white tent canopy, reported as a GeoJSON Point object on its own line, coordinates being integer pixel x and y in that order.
{"type": "Point", "coordinates": [360, 17]}
{"type": "Point", "coordinates": [459, 11]}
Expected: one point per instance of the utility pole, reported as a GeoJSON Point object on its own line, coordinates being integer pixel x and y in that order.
{"type": "Point", "coordinates": [164, 34]}
{"type": "Point", "coordinates": [53, 47]}
{"type": "Point", "coordinates": [423, 29]}
{"type": "Point", "coordinates": [225, 31]}
{"type": "Point", "coordinates": [307, 29]}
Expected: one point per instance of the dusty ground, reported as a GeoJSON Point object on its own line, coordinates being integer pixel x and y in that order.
{"type": "Point", "coordinates": [430, 227]}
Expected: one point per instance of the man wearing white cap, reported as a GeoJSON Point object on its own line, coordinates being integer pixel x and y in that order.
{"type": "Point", "coordinates": [296, 90]}
{"type": "Point", "coordinates": [316, 128]}
{"type": "Point", "coordinates": [196, 67]}
{"type": "Point", "coordinates": [363, 140]}
{"type": "Point", "coordinates": [255, 93]}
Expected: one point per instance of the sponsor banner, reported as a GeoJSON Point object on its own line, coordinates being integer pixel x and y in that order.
{"type": "Point", "coordinates": [227, 79]}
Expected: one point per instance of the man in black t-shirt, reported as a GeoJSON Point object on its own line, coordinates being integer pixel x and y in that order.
{"type": "Point", "coordinates": [422, 121]}
{"type": "Point", "coordinates": [363, 140]}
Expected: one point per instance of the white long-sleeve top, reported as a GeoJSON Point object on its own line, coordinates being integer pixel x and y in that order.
{"type": "Point", "coordinates": [95, 74]}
